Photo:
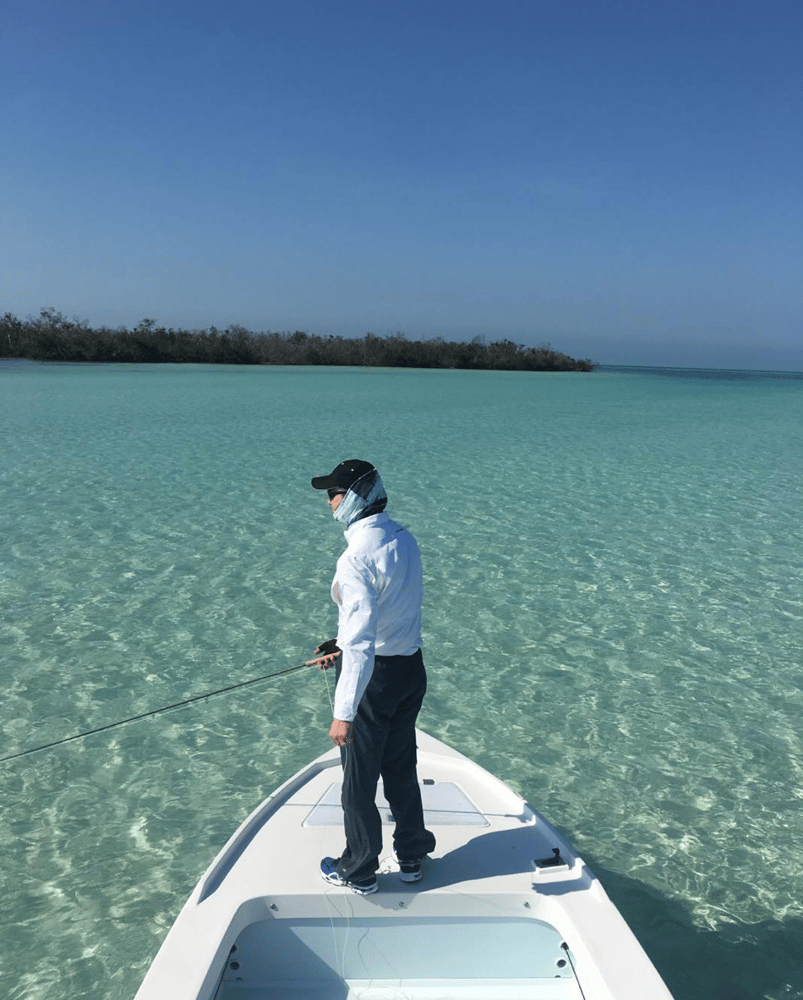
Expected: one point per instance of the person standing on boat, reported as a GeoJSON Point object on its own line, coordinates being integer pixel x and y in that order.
{"type": "Point", "coordinates": [381, 678]}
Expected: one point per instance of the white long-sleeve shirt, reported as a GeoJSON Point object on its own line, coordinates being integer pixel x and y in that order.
{"type": "Point", "coordinates": [378, 588]}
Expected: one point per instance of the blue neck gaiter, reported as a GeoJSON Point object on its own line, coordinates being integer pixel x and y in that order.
{"type": "Point", "coordinates": [365, 497]}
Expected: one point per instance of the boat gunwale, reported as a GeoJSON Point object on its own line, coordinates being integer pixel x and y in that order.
{"type": "Point", "coordinates": [234, 848]}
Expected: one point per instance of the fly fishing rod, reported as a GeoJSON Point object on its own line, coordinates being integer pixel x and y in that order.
{"type": "Point", "coordinates": [160, 711]}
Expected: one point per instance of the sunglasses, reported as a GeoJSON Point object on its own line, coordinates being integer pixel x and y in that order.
{"type": "Point", "coordinates": [335, 493]}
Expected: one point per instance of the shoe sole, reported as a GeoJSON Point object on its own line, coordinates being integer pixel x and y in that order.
{"type": "Point", "coordinates": [349, 885]}
{"type": "Point", "coordinates": [410, 876]}
{"type": "Point", "coordinates": [407, 876]}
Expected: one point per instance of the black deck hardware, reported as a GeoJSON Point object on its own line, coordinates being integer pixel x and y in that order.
{"type": "Point", "coordinates": [551, 862]}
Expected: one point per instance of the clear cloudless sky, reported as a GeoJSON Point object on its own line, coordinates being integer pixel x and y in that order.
{"type": "Point", "coordinates": [620, 178]}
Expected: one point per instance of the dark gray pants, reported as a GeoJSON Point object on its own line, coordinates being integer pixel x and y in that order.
{"type": "Point", "coordinates": [383, 744]}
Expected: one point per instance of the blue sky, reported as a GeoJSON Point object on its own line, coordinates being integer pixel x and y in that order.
{"type": "Point", "coordinates": [621, 179]}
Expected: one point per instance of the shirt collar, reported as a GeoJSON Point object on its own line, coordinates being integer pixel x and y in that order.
{"type": "Point", "coordinates": [365, 522]}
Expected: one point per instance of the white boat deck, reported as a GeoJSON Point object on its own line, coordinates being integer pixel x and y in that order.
{"type": "Point", "coordinates": [487, 840]}
{"type": "Point", "coordinates": [482, 922]}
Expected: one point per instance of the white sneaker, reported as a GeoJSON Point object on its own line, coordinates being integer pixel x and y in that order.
{"type": "Point", "coordinates": [409, 868]}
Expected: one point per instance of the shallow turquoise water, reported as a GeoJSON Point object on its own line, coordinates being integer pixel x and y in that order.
{"type": "Point", "coordinates": [613, 625]}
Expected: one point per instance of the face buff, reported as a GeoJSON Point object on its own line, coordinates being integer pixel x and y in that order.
{"type": "Point", "coordinates": [366, 496]}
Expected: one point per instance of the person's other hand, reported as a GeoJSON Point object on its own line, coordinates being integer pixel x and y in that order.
{"type": "Point", "coordinates": [340, 732]}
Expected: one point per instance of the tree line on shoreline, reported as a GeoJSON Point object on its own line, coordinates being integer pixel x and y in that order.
{"type": "Point", "coordinates": [52, 337]}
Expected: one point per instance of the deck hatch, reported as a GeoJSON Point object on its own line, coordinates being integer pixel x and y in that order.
{"type": "Point", "coordinates": [445, 804]}
{"type": "Point", "coordinates": [429, 957]}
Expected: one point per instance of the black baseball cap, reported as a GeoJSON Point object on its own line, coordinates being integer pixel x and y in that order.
{"type": "Point", "coordinates": [343, 475]}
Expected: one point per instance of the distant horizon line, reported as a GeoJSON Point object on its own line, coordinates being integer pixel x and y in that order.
{"type": "Point", "coordinates": [598, 366]}
{"type": "Point", "coordinates": [702, 368]}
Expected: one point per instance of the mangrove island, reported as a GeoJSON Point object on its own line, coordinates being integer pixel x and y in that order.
{"type": "Point", "coordinates": [52, 337]}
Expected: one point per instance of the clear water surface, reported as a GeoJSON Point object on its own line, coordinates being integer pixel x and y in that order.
{"type": "Point", "coordinates": [613, 625]}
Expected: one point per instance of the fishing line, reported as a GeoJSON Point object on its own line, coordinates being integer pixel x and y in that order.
{"type": "Point", "coordinates": [159, 711]}
{"type": "Point", "coordinates": [339, 953]}
{"type": "Point", "coordinates": [329, 690]}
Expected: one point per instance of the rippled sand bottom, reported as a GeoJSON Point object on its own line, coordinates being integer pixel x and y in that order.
{"type": "Point", "coordinates": [613, 625]}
